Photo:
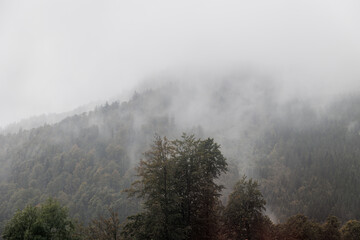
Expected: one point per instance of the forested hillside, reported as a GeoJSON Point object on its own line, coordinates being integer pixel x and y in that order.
{"type": "Point", "coordinates": [84, 161]}
{"type": "Point", "coordinates": [310, 163]}
{"type": "Point", "coordinates": [305, 158]}
{"type": "Point", "coordinates": [38, 121]}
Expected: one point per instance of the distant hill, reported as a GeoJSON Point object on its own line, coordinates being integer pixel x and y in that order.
{"type": "Point", "coordinates": [38, 121]}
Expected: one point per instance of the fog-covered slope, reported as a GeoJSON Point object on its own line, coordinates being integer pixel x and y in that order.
{"type": "Point", "coordinates": [306, 158]}
{"type": "Point", "coordinates": [38, 121]}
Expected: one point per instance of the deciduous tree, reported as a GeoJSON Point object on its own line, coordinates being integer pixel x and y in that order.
{"type": "Point", "coordinates": [177, 183]}
{"type": "Point", "coordinates": [48, 221]}
{"type": "Point", "coordinates": [244, 213]}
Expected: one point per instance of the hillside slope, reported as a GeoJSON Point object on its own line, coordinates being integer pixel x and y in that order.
{"type": "Point", "coordinates": [307, 161]}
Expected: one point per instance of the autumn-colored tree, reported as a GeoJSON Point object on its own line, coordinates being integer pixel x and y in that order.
{"type": "Point", "coordinates": [299, 227]}
{"type": "Point", "coordinates": [351, 230]}
{"type": "Point", "coordinates": [104, 228]}
{"type": "Point", "coordinates": [331, 229]}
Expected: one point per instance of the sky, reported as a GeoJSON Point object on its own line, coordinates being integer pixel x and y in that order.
{"type": "Point", "coordinates": [58, 55]}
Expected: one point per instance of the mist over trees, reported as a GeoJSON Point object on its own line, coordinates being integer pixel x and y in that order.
{"type": "Point", "coordinates": [302, 155]}
{"type": "Point", "coordinates": [180, 120]}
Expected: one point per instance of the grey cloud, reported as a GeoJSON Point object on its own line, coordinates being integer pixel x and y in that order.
{"type": "Point", "coordinates": [57, 55]}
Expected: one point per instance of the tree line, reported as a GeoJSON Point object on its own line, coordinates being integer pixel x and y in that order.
{"type": "Point", "coordinates": [177, 183]}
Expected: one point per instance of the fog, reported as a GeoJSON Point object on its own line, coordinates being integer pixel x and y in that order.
{"type": "Point", "coordinates": [58, 55]}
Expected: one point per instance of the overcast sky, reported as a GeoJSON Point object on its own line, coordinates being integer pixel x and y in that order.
{"type": "Point", "coordinates": [57, 55]}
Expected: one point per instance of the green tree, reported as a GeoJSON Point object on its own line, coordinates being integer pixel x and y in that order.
{"type": "Point", "coordinates": [48, 221]}
{"type": "Point", "coordinates": [177, 183]}
{"type": "Point", "coordinates": [210, 163]}
{"type": "Point", "coordinates": [187, 177]}
{"type": "Point", "coordinates": [24, 224]}
{"type": "Point", "coordinates": [137, 227]}
{"type": "Point", "coordinates": [243, 214]}
{"type": "Point", "coordinates": [156, 187]}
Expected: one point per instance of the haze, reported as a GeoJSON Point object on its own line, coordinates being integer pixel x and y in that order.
{"type": "Point", "coordinates": [58, 55]}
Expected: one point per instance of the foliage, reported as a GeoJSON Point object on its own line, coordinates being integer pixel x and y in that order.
{"type": "Point", "coordinates": [311, 168]}
{"type": "Point", "coordinates": [198, 164]}
{"type": "Point", "coordinates": [244, 213]}
{"type": "Point", "coordinates": [156, 187]}
{"type": "Point", "coordinates": [104, 228]}
{"type": "Point", "coordinates": [85, 161]}
{"type": "Point", "coordinates": [48, 221]}
{"type": "Point", "coordinates": [331, 229]}
{"type": "Point", "coordinates": [351, 230]}
{"type": "Point", "coordinates": [299, 227]}
{"type": "Point", "coordinates": [305, 161]}
{"type": "Point", "coordinates": [177, 183]}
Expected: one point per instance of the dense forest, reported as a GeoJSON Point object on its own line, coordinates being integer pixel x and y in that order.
{"type": "Point", "coordinates": [177, 182]}
{"type": "Point", "coordinates": [300, 159]}
{"type": "Point", "coordinates": [312, 169]}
